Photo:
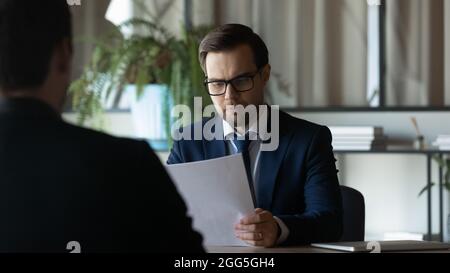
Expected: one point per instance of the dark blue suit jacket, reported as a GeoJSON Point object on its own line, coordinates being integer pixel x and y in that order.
{"type": "Point", "coordinates": [298, 182]}
{"type": "Point", "coordinates": [62, 183]}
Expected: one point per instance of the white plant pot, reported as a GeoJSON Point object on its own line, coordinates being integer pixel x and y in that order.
{"type": "Point", "coordinates": [148, 114]}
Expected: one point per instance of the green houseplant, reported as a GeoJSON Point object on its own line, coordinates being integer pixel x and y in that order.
{"type": "Point", "coordinates": [151, 55]}
{"type": "Point", "coordinates": [443, 163]}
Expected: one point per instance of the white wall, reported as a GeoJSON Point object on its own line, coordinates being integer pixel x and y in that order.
{"type": "Point", "coordinates": [390, 183]}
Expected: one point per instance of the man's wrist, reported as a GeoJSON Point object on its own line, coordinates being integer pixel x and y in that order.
{"type": "Point", "coordinates": [278, 230]}
{"type": "Point", "coordinates": [283, 231]}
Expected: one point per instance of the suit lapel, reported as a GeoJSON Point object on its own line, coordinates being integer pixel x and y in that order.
{"type": "Point", "coordinates": [269, 162]}
{"type": "Point", "coordinates": [269, 167]}
{"type": "Point", "coordinates": [215, 148]}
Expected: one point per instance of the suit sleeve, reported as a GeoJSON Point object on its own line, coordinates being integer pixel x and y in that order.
{"type": "Point", "coordinates": [322, 218]}
{"type": "Point", "coordinates": [175, 156]}
{"type": "Point", "coordinates": [163, 208]}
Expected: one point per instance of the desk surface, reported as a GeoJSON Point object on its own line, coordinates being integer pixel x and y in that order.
{"type": "Point", "coordinates": [302, 249]}
{"type": "Point", "coordinates": [237, 249]}
{"type": "Point", "coordinates": [395, 150]}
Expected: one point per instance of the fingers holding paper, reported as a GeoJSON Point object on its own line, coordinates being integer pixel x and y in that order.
{"type": "Point", "coordinates": [258, 229]}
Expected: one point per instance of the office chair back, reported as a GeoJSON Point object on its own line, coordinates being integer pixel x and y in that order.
{"type": "Point", "coordinates": [353, 215]}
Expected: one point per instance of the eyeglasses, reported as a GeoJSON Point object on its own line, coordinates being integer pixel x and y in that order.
{"type": "Point", "coordinates": [240, 84]}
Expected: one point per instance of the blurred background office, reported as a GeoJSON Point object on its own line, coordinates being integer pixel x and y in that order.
{"type": "Point", "coordinates": [381, 68]}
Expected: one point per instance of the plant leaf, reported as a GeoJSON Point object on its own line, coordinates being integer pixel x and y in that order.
{"type": "Point", "coordinates": [447, 186]}
{"type": "Point", "coordinates": [427, 187]}
{"type": "Point", "coordinates": [440, 161]}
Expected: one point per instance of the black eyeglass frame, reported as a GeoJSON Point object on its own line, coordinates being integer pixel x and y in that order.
{"type": "Point", "coordinates": [250, 76]}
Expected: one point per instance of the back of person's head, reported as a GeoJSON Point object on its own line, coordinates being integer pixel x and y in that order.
{"type": "Point", "coordinates": [30, 31]}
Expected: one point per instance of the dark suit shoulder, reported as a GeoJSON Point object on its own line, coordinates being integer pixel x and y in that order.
{"type": "Point", "coordinates": [298, 125]}
{"type": "Point", "coordinates": [101, 148]}
{"type": "Point", "coordinates": [189, 132]}
{"type": "Point", "coordinates": [101, 138]}
{"type": "Point", "coordinates": [200, 124]}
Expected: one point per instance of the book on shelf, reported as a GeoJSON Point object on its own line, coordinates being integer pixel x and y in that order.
{"type": "Point", "coordinates": [358, 138]}
{"type": "Point", "coordinates": [443, 147]}
{"type": "Point", "coordinates": [403, 236]}
{"type": "Point", "coordinates": [356, 131]}
{"type": "Point", "coordinates": [380, 141]}
{"type": "Point", "coordinates": [359, 147]}
{"type": "Point", "coordinates": [442, 142]}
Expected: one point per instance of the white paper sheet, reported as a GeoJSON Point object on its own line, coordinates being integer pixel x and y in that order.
{"type": "Point", "coordinates": [217, 195]}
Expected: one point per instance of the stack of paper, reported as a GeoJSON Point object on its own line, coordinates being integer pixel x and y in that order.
{"type": "Point", "coordinates": [358, 138]}
{"type": "Point", "coordinates": [443, 142]}
{"type": "Point", "coordinates": [217, 195]}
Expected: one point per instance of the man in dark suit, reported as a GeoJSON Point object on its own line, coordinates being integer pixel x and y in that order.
{"type": "Point", "coordinates": [295, 186]}
{"type": "Point", "coordinates": [62, 186]}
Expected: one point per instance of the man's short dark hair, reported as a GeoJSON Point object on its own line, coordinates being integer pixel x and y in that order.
{"type": "Point", "coordinates": [29, 33]}
{"type": "Point", "coordinates": [228, 37]}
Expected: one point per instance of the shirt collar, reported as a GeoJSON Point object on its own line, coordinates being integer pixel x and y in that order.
{"type": "Point", "coordinates": [229, 131]}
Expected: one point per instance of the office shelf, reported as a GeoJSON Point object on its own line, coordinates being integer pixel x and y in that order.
{"type": "Point", "coordinates": [428, 153]}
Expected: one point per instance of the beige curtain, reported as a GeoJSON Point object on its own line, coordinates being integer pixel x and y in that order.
{"type": "Point", "coordinates": [88, 22]}
{"type": "Point", "coordinates": [447, 50]}
{"type": "Point", "coordinates": [318, 47]}
{"type": "Point", "coordinates": [415, 52]}
{"type": "Point", "coordinates": [167, 13]}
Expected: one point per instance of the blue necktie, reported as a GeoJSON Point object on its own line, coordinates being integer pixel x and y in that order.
{"type": "Point", "coordinates": [242, 146]}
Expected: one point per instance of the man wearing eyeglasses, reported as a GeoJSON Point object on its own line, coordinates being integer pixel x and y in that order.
{"type": "Point", "coordinates": [295, 187]}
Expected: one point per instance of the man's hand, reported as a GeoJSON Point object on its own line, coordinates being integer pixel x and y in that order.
{"type": "Point", "coordinates": [258, 229]}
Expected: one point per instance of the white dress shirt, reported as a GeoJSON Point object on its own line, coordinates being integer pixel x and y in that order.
{"type": "Point", "coordinates": [254, 153]}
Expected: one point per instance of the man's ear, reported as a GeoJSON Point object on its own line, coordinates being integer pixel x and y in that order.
{"type": "Point", "coordinates": [266, 73]}
{"type": "Point", "coordinates": [63, 55]}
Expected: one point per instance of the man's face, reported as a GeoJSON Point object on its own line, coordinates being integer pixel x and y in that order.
{"type": "Point", "coordinates": [232, 64]}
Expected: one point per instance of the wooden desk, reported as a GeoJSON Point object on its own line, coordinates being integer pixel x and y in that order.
{"type": "Point", "coordinates": [231, 249]}
{"type": "Point", "coordinates": [291, 250]}
{"type": "Point", "coordinates": [253, 250]}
